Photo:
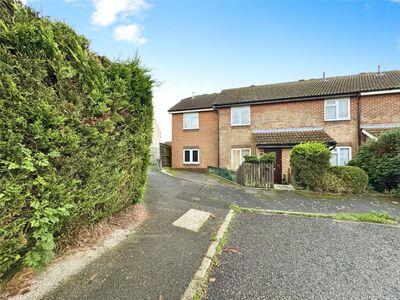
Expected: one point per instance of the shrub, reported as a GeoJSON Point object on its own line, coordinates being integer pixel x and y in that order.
{"type": "Point", "coordinates": [269, 157]}
{"type": "Point", "coordinates": [309, 161]}
{"type": "Point", "coordinates": [75, 133]}
{"type": "Point", "coordinates": [353, 179]}
{"type": "Point", "coordinates": [251, 159]}
{"type": "Point", "coordinates": [329, 183]}
{"type": "Point", "coordinates": [380, 159]}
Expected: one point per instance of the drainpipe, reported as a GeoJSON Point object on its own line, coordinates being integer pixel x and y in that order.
{"type": "Point", "coordinates": [217, 112]}
{"type": "Point", "coordinates": [358, 119]}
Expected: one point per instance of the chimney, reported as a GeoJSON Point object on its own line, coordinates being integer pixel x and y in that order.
{"type": "Point", "coordinates": [323, 75]}
{"type": "Point", "coordinates": [379, 69]}
{"type": "Point", "coordinates": [193, 95]}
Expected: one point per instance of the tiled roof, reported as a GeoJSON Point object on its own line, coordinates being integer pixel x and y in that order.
{"type": "Point", "coordinates": [292, 136]}
{"type": "Point", "coordinates": [377, 129]}
{"type": "Point", "coordinates": [196, 102]}
{"type": "Point", "coordinates": [340, 85]}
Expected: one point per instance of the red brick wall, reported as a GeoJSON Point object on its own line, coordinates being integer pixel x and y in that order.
{"type": "Point", "coordinates": [205, 139]}
{"type": "Point", "coordinates": [375, 109]}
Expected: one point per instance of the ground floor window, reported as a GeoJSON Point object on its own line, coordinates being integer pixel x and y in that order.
{"type": "Point", "coordinates": [237, 157]}
{"type": "Point", "coordinates": [340, 156]}
{"type": "Point", "coordinates": [191, 156]}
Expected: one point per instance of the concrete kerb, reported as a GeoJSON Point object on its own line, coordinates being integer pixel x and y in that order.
{"type": "Point", "coordinates": [205, 265]}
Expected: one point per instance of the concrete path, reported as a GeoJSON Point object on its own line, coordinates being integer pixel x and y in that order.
{"type": "Point", "coordinates": [291, 257]}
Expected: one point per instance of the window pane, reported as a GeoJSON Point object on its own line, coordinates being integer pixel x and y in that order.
{"type": "Point", "coordinates": [195, 156]}
{"type": "Point", "coordinates": [330, 112]}
{"type": "Point", "coordinates": [343, 109]}
{"type": "Point", "coordinates": [344, 156]}
{"type": "Point", "coordinates": [245, 115]}
{"type": "Point", "coordinates": [330, 102]}
{"type": "Point", "coordinates": [186, 121]}
{"type": "Point", "coordinates": [195, 121]}
{"type": "Point", "coordinates": [235, 159]}
{"type": "Point", "coordinates": [187, 155]}
{"type": "Point", "coordinates": [235, 116]}
{"type": "Point", "coordinates": [334, 158]}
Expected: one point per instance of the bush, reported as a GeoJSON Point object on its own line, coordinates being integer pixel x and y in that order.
{"type": "Point", "coordinates": [75, 133]}
{"type": "Point", "coordinates": [380, 159]}
{"type": "Point", "coordinates": [353, 179]}
{"type": "Point", "coordinates": [309, 161]}
{"type": "Point", "coordinates": [329, 183]}
{"type": "Point", "coordinates": [251, 159]}
{"type": "Point", "coordinates": [269, 157]}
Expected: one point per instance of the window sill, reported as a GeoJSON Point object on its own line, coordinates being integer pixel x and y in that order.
{"type": "Point", "coordinates": [240, 126]}
{"type": "Point", "coordinates": [337, 120]}
{"type": "Point", "coordinates": [191, 164]}
{"type": "Point", "coordinates": [190, 129]}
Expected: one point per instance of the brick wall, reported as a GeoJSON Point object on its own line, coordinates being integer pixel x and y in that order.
{"type": "Point", "coordinates": [205, 139]}
{"type": "Point", "coordinates": [375, 109]}
{"type": "Point", "coordinates": [380, 109]}
{"type": "Point", "coordinates": [284, 115]}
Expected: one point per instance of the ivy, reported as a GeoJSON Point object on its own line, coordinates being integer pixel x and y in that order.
{"type": "Point", "coordinates": [75, 132]}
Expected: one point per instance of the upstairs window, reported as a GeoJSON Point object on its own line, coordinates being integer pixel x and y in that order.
{"type": "Point", "coordinates": [191, 121]}
{"type": "Point", "coordinates": [191, 156]}
{"type": "Point", "coordinates": [337, 109]}
{"type": "Point", "coordinates": [340, 156]}
{"type": "Point", "coordinates": [240, 116]}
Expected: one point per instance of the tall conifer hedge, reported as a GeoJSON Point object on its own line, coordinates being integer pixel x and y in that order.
{"type": "Point", "coordinates": [75, 130]}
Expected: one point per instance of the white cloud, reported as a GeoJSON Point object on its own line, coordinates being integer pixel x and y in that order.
{"type": "Point", "coordinates": [107, 11]}
{"type": "Point", "coordinates": [25, 2]}
{"type": "Point", "coordinates": [129, 33]}
{"type": "Point", "coordinates": [395, 1]}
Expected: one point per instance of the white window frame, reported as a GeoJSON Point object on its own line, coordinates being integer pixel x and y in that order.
{"type": "Point", "coordinates": [337, 150]}
{"type": "Point", "coordinates": [337, 109]}
{"type": "Point", "coordinates": [238, 108]}
{"type": "Point", "coordinates": [241, 157]}
{"type": "Point", "coordinates": [191, 162]}
{"type": "Point", "coordinates": [188, 115]}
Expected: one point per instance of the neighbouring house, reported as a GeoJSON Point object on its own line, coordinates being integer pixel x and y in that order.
{"type": "Point", "coordinates": [155, 143]}
{"type": "Point", "coordinates": [342, 112]}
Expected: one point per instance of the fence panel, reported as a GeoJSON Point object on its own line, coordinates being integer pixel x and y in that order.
{"type": "Point", "coordinates": [259, 175]}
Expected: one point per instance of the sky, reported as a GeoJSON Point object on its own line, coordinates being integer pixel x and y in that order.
{"type": "Point", "coordinates": [206, 46]}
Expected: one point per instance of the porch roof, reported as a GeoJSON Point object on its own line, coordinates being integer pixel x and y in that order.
{"type": "Point", "coordinates": [377, 129]}
{"type": "Point", "coordinates": [291, 136]}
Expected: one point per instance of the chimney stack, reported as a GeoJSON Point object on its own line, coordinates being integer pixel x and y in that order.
{"type": "Point", "coordinates": [379, 69]}
{"type": "Point", "coordinates": [193, 95]}
{"type": "Point", "coordinates": [323, 75]}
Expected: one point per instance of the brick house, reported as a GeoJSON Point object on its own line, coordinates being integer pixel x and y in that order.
{"type": "Point", "coordinates": [342, 112]}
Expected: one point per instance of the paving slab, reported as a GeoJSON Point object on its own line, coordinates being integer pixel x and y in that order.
{"type": "Point", "coordinates": [193, 220]}
{"type": "Point", "coordinates": [293, 257]}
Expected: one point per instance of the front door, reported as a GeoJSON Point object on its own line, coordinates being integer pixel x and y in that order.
{"type": "Point", "coordinates": [278, 164]}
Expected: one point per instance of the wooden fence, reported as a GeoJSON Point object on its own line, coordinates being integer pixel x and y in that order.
{"type": "Point", "coordinates": [165, 155]}
{"type": "Point", "coordinates": [259, 175]}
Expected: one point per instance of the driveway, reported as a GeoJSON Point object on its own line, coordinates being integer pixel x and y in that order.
{"type": "Point", "coordinates": [292, 257]}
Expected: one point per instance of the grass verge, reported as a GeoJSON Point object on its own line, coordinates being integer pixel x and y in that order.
{"type": "Point", "coordinates": [372, 217]}
{"type": "Point", "coordinates": [215, 263]}
{"type": "Point", "coordinates": [170, 171]}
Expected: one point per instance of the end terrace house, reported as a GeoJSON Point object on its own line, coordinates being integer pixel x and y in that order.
{"type": "Point", "coordinates": [342, 112]}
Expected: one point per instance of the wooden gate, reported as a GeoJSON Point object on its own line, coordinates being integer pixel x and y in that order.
{"type": "Point", "coordinates": [259, 175]}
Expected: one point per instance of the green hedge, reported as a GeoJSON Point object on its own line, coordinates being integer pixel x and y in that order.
{"type": "Point", "coordinates": [75, 133]}
{"type": "Point", "coordinates": [269, 157]}
{"type": "Point", "coordinates": [381, 160]}
{"type": "Point", "coordinates": [343, 179]}
{"type": "Point", "coordinates": [309, 161]}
